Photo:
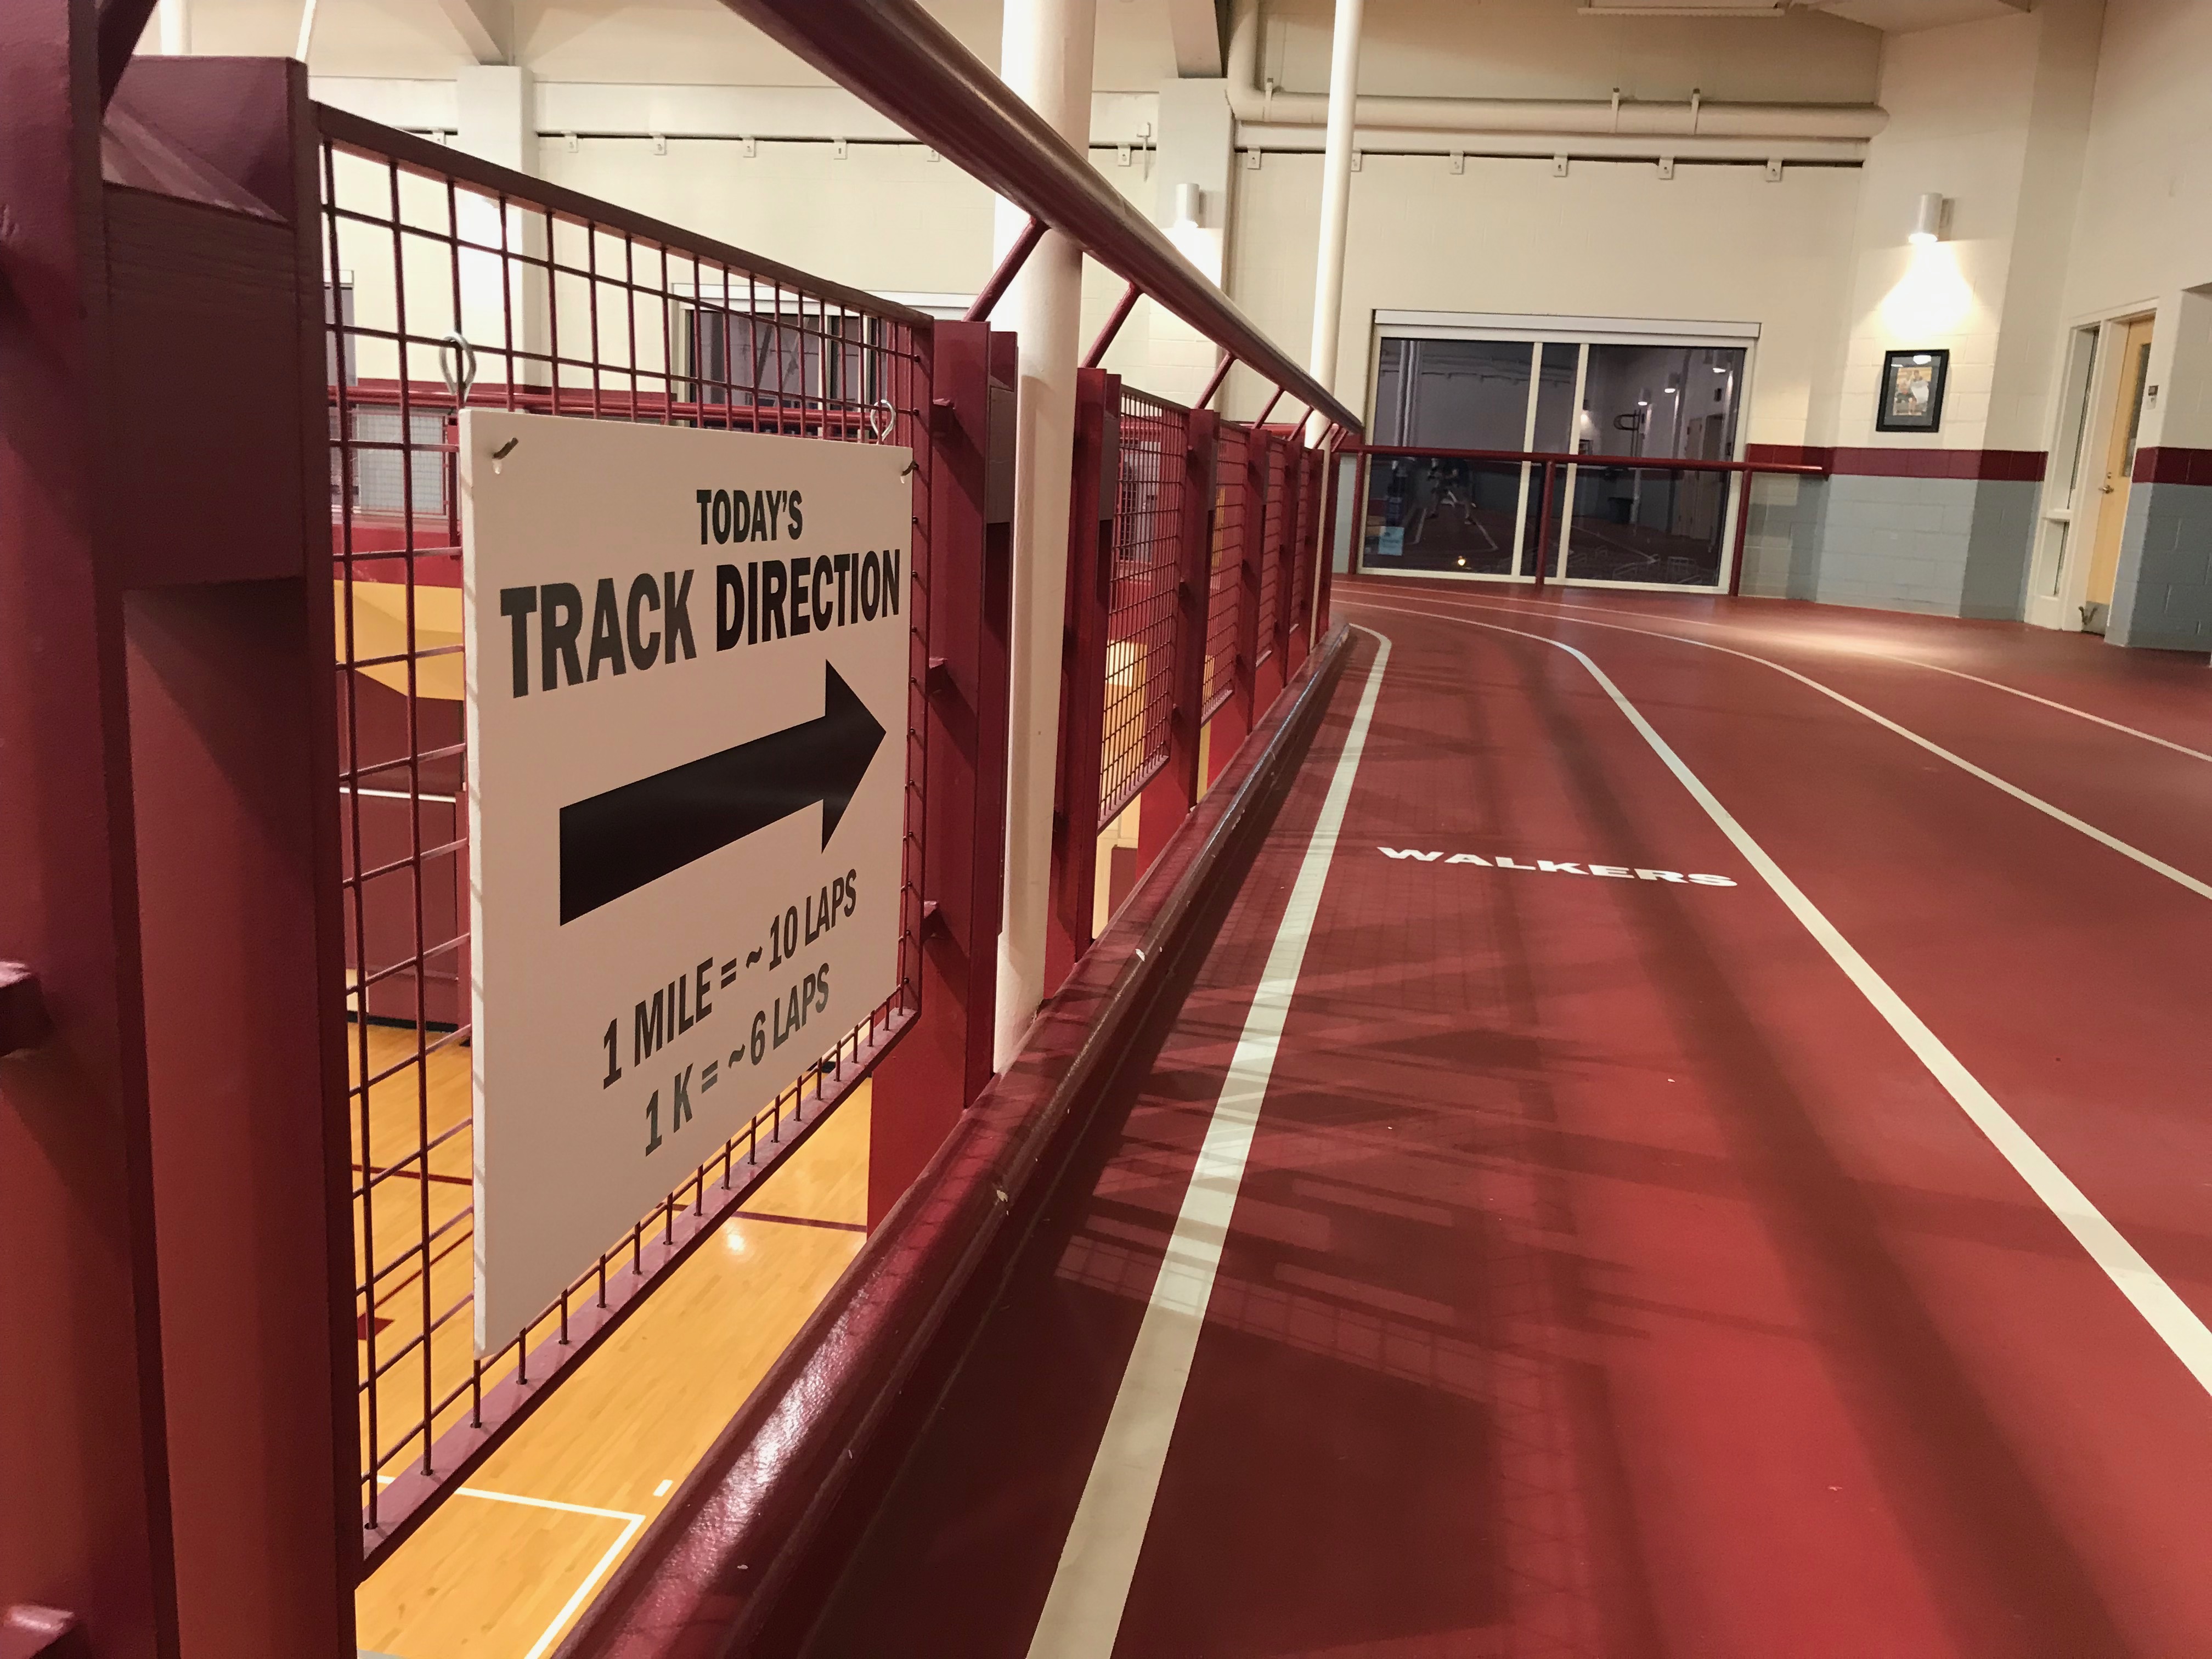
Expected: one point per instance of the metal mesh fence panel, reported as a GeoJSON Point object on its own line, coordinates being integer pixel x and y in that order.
{"type": "Point", "coordinates": [453, 282]}
{"type": "Point", "coordinates": [1274, 524]}
{"type": "Point", "coordinates": [1141, 607]}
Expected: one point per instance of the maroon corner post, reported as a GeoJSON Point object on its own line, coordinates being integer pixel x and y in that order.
{"type": "Point", "coordinates": [1250, 647]}
{"type": "Point", "coordinates": [924, 1085]}
{"type": "Point", "coordinates": [178, 1432]}
{"type": "Point", "coordinates": [1093, 491]}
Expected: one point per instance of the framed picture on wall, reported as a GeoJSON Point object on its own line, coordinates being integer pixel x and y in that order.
{"type": "Point", "coordinates": [1912, 391]}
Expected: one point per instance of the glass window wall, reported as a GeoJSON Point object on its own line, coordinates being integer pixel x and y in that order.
{"type": "Point", "coordinates": [1623, 515]}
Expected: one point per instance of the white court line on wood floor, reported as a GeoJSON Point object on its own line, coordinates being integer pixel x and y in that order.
{"type": "Point", "coordinates": [630, 1522]}
{"type": "Point", "coordinates": [1091, 1586]}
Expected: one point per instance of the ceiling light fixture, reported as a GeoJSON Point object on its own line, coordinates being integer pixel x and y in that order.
{"type": "Point", "coordinates": [1928, 220]}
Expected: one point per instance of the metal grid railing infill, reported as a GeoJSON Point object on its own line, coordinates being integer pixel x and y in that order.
{"type": "Point", "coordinates": [1274, 525]}
{"type": "Point", "coordinates": [450, 282]}
{"type": "Point", "coordinates": [1141, 613]}
{"type": "Point", "coordinates": [1225, 565]}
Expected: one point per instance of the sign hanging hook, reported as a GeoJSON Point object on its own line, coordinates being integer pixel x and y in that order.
{"type": "Point", "coordinates": [460, 377]}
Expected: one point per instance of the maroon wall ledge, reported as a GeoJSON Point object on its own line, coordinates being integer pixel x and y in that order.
{"type": "Point", "coordinates": [1903, 461]}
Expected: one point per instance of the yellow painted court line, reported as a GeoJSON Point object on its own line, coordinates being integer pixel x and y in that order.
{"type": "Point", "coordinates": [630, 1522]}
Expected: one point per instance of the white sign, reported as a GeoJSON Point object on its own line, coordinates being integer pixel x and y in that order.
{"type": "Point", "coordinates": [687, 663]}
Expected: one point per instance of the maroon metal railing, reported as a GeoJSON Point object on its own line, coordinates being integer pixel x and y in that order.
{"type": "Point", "coordinates": [456, 284]}
{"type": "Point", "coordinates": [453, 282]}
{"type": "Point", "coordinates": [1250, 608]}
{"type": "Point", "coordinates": [911, 67]}
{"type": "Point", "coordinates": [330, 643]}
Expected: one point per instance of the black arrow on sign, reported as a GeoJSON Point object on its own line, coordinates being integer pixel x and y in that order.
{"type": "Point", "coordinates": [617, 843]}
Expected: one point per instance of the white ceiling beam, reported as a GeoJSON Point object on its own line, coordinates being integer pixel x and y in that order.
{"type": "Point", "coordinates": [486, 27]}
{"type": "Point", "coordinates": [1195, 27]}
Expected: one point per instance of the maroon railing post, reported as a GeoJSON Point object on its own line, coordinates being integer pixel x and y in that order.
{"type": "Point", "coordinates": [994, 289]}
{"type": "Point", "coordinates": [177, 1433]}
{"type": "Point", "coordinates": [1544, 529]}
{"type": "Point", "coordinates": [1300, 555]}
{"type": "Point", "coordinates": [1362, 477]}
{"type": "Point", "coordinates": [83, 1504]}
{"type": "Point", "coordinates": [1093, 491]}
{"type": "Point", "coordinates": [1120, 315]}
{"type": "Point", "coordinates": [1245, 703]}
{"type": "Point", "coordinates": [1742, 529]}
{"type": "Point", "coordinates": [1168, 799]}
{"type": "Point", "coordinates": [924, 1085]}
{"type": "Point", "coordinates": [1332, 462]}
{"type": "Point", "coordinates": [1220, 373]}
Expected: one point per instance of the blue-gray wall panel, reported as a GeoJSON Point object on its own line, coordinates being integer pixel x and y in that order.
{"type": "Point", "coordinates": [2162, 595]}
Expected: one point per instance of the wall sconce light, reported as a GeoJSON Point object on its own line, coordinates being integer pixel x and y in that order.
{"type": "Point", "coordinates": [1189, 207]}
{"type": "Point", "coordinates": [1928, 220]}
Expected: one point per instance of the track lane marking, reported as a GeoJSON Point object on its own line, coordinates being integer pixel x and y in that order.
{"type": "Point", "coordinates": [2051, 702]}
{"type": "Point", "coordinates": [1915, 662]}
{"type": "Point", "coordinates": [2161, 1306]}
{"type": "Point", "coordinates": [2181, 878]}
{"type": "Point", "coordinates": [1083, 1610]}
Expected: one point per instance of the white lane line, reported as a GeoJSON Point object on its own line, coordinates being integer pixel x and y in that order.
{"type": "Point", "coordinates": [1091, 1586]}
{"type": "Point", "coordinates": [2181, 878]}
{"type": "Point", "coordinates": [1933, 668]}
{"type": "Point", "coordinates": [2063, 708]}
{"type": "Point", "coordinates": [583, 1591]}
{"type": "Point", "coordinates": [631, 1524]}
{"type": "Point", "coordinates": [532, 1503]}
{"type": "Point", "coordinates": [2176, 1323]}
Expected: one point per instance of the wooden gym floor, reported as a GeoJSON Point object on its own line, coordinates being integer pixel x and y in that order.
{"type": "Point", "coordinates": [503, 1567]}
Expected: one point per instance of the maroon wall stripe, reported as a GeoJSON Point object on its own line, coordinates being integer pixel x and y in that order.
{"type": "Point", "coordinates": [2012, 465]}
{"type": "Point", "coordinates": [2171, 464]}
{"type": "Point", "coordinates": [1788, 454]}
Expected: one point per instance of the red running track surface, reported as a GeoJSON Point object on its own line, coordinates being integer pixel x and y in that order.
{"type": "Point", "coordinates": [1608, 1277]}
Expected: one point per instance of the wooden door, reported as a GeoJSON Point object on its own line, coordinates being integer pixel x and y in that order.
{"type": "Point", "coordinates": [2119, 458]}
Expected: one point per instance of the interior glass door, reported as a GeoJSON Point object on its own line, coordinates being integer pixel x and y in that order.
{"type": "Point", "coordinates": [1475, 418]}
{"type": "Point", "coordinates": [1653, 525]}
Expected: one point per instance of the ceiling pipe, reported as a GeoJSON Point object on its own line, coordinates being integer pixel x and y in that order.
{"type": "Point", "coordinates": [1254, 102]}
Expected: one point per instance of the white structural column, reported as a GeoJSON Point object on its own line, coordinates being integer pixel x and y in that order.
{"type": "Point", "coordinates": [1045, 57]}
{"type": "Point", "coordinates": [1335, 199]}
{"type": "Point", "coordinates": [176, 29]}
{"type": "Point", "coordinates": [1197, 150]}
{"type": "Point", "coordinates": [497, 105]}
